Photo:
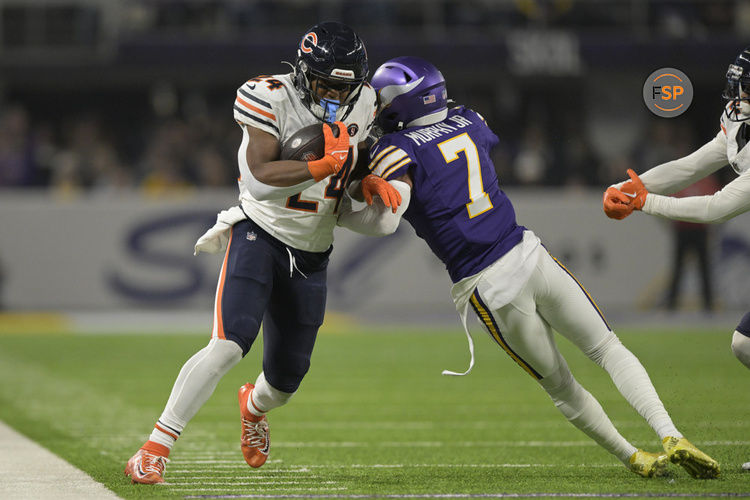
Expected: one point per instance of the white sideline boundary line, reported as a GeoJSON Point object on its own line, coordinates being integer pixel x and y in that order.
{"type": "Point", "coordinates": [30, 472]}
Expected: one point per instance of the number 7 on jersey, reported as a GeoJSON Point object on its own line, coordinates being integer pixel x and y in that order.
{"type": "Point", "coordinates": [480, 201]}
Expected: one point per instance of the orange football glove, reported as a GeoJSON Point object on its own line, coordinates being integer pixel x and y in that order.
{"type": "Point", "coordinates": [616, 204]}
{"type": "Point", "coordinates": [635, 189]}
{"type": "Point", "coordinates": [374, 185]}
{"type": "Point", "coordinates": [335, 154]}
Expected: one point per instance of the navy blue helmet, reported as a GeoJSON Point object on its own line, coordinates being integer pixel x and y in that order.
{"type": "Point", "coordinates": [332, 52]}
{"type": "Point", "coordinates": [738, 83]}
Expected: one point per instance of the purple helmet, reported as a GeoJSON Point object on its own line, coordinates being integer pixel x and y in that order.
{"type": "Point", "coordinates": [411, 92]}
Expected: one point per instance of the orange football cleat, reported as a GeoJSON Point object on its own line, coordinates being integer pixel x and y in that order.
{"type": "Point", "coordinates": [146, 467]}
{"type": "Point", "coordinates": [255, 439]}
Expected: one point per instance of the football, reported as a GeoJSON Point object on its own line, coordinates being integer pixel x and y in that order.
{"type": "Point", "coordinates": [307, 144]}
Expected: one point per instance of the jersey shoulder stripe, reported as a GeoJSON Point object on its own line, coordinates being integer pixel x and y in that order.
{"type": "Point", "coordinates": [387, 159]}
{"type": "Point", "coordinates": [396, 168]}
{"type": "Point", "coordinates": [255, 119]}
{"type": "Point", "coordinates": [254, 109]}
{"type": "Point", "coordinates": [379, 155]}
{"type": "Point", "coordinates": [255, 98]}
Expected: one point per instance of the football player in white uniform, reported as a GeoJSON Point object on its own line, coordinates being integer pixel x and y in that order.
{"type": "Point", "coordinates": [277, 240]}
{"type": "Point", "coordinates": [647, 191]}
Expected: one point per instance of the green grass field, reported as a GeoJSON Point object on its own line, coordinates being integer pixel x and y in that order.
{"type": "Point", "coordinates": [374, 416]}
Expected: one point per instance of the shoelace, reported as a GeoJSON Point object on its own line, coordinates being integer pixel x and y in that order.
{"type": "Point", "coordinates": [154, 463]}
{"type": "Point", "coordinates": [255, 432]}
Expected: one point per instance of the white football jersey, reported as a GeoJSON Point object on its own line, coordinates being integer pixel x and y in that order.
{"type": "Point", "coordinates": [738, 157]}
{"type": "Point", "coordinates": [727, 147]}
{"type": "Point", "coordinates": [306, 220]}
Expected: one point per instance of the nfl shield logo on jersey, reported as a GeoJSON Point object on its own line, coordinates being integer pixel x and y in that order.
{"type": "Point", "coordinates": [251, 236]}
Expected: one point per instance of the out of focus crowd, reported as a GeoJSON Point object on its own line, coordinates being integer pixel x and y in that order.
{"type": "Point", "coordinates": [84, 153]}
{"type": "Point", "coordinates": [541, 100]}
{"type": "Point", "coordinates": [90, 153]}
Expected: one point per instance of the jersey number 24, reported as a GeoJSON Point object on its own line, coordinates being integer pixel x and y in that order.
{"type": "Point", "coordinates": [334, 190]}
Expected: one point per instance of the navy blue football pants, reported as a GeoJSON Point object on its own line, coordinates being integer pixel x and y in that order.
{"type": "Point", "coordinates": [256, 285]}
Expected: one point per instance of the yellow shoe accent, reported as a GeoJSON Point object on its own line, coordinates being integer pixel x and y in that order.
{"type": "Point", "coordinates": [684, 453]}
{"type": "Point", "coordinates": [649, 464]}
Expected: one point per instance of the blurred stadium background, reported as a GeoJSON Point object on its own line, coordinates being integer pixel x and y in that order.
{"type": "Point", "coordinates": [117, 144]}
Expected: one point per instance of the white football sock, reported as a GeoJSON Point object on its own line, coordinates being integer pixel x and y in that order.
{"type": "Point", "coordinates": [265, 397]}
{"type": "Point", "coordinates": [741, 348]}
{"type": "Point", "coordinates": [634, 384]}
{"type": "Point", "coordinates": [164, 435]}
{"type": "Point", "coordinates": [585, 412]}
{"type": "Point", "coordinates": [194, 385]}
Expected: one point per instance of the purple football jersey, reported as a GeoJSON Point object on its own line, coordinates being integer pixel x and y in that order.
{"type": "Point", "coordinates": [456, 204]}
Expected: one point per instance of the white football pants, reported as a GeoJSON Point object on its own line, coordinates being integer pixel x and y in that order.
{"type": "Point", "coordinates": [553, 299]}
{"type": "Point", "coordinates": [741, 347]}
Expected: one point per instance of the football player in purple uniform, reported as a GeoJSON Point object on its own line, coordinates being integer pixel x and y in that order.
{"type": "Point", "coordinates": [438, 158]}
{"type": "Point", "coordinates": [728, 147]}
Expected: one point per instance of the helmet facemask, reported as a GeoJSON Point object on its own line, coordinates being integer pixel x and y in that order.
{"type": "Point", "coordinates": [737, 92]}
{"type": "Point", "coordinates": [311, 85]}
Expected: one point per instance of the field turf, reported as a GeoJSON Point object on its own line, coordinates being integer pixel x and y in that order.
{"type": "Point", "coordinates": [374, 417]}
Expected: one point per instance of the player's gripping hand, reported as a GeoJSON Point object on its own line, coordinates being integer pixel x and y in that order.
{"type": "Point", "coordinates": [335, 154]}
{"type": "Point", "coordinates": [616, 204]}
{"type": "Point", "coordinates": [374, 185]}
{"type": "Point", "coordinates": [635, 189]}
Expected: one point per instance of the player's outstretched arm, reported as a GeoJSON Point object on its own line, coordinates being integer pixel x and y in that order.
{"type": "Point", "coordinates": [672, 176]}
{"type": "Point", "coordinates": [386, 201]}
{"type": "Point", "coordinates": [732, 200]}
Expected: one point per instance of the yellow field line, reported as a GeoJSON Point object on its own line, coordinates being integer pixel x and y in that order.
{"type": "Point", "coordinates": [13, 323]}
